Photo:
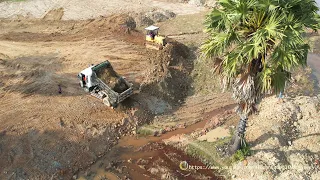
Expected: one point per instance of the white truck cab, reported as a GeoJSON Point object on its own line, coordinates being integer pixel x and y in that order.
{"type": "Point", "coordinates": [86, 81]}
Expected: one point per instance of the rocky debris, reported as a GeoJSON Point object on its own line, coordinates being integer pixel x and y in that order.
{"type": "Point", "coordinates": [160, 15]}
{"type": "Point", "coordinates": [153, 171]}
{"type": "Point", "coordinates": [206, 3]}
{"type": "Point", "coordinates": [143, 20]}
{"type": "Point", "coordinates": [197, 2]}
{"type": "Point", "coordinates": [284, 139]}
{"type": "Point", "coordinates": [157, 16]}
{"type": "Point", "coordinates": [169, 14]}
{"type": "Point", "coordinates": [148, 18]}
{"type": "Point", "coordinates": [210, 3]}
{"type": "Point", "coordinates": [122, 22]}
{"type": "Point", "coordinates": [142, 161]}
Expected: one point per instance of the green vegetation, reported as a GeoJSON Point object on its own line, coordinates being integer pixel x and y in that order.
{"type": "Point", "coordinates": [207, 152]}
{"type": "Point", "coordinates": [254, 46]}
{"type": "Point", "coordinates": [145, 131]}
{"type": "Point", "coordinates": [241, 154]}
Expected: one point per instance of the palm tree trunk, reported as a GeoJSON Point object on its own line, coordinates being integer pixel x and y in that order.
{"type": "Point", "coordinates": [238, 138]}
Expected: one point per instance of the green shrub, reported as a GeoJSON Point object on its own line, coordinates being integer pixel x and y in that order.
{"type": "Point", "coordinates": [241, 154]}
{"type": "Point", "coordinates": [144, 132]}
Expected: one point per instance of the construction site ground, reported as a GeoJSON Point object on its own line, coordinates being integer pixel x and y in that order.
{"type": "Point", "coordinates": [72, 135]}
{"type": "Point", "coordinates": [46, 135]}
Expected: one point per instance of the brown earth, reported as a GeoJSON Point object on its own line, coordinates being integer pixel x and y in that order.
{"type": "Point", "coordinates": [45, 134]}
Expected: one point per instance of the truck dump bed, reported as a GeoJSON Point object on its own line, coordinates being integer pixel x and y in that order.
{"type": "Point", "coordinates": [107, 75]}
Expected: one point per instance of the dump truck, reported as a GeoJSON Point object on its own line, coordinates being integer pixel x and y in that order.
{"type": "Point", "coordinates": [153, 39]}
{"type": "Point", "coordinates": [102, 82]}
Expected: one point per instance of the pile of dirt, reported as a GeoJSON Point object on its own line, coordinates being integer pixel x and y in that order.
{"type": "Point", "coordinates": [50, 29]}
{"type": "Point", "coordinates": [119, 22]}
{"type": "Point", "coordinates": [285, 141]}
{"type": "Point", "coordinates": [143, 20]}
{"type": "Point", "coordinates": [148, 18]}
{"type": "Point", "coordinates": [169, 79]}
{"type": "Point", "coordinates": [112, 79]}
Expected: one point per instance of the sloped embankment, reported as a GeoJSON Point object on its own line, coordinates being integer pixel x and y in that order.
{"type": "Point", "coordinates": [170, 77]}
{"type": "Point", "coordinates": [285, 141]}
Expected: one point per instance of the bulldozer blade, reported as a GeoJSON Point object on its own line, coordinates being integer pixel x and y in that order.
{"type": "Point", "coordinates": [154, 46]}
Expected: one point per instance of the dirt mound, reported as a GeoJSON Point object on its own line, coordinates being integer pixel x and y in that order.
{"type": "Point", "coordinates": [120, 22]}
{"type": "Point", "coordinates": [169, 79]}
{"type": "Point", "coordinates": [51, 29]}
{"type": "Point", "coordinates": [55, 14]}
{"type": "Point", "coordinates": [148, 18]}
{"type": "Point", "coordinates": [143, 20]}
{"type": "Point", "coordinates": [110, 77]}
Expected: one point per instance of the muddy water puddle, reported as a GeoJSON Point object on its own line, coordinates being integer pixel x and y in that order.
{"type": "Point", "coordinates": [138, 142]}
{"type": "Point", "coordinates": [149, 158]}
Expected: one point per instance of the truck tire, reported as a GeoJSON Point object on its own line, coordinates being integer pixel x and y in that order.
{"type": "Point", "coordinates": [106, 101]}
{"type": "Point", "coordinates": [84, 88]}
{"type": "Point", "coordinates": [81, 84]}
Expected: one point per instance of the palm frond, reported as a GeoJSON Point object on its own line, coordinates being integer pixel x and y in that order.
{"type": "Point", "coordinates": [259, 42]}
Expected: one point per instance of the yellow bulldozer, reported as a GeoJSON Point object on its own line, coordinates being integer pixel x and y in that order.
{"type": "Point", "coordinates": [153, 39]}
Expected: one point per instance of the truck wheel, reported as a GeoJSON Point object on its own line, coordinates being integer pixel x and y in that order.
{"type": "Point", "coordinates": [86, 89]}
{"type": "Point", "coordinates": [81, 84]}
{"type": "Point", "coordinates": [106, 101]}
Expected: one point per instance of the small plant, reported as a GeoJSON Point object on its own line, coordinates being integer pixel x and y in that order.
{"type": "Point", "coordinates": [144, 132]}
{"type": "Point", "coordinates": [242, 153]}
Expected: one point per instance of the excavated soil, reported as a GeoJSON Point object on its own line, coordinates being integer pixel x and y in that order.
{"type": "Point", "coordinates": [45, 134]}
{"type": "Point", "coordinates": [112, 79]}
{"type": "Point", "coordinates": [48, 135]}
{"type": "Point", "coordinates": [169, 78]}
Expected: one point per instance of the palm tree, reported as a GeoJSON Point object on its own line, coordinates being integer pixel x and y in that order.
{"type": "Point", "coordinates": [254, 45]}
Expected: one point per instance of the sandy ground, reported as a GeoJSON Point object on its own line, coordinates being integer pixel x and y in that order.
{"type": "Point", "coordinates": [285, 141]}
{"type": "Point", "coordinates": [78, 9]}
{"type": "Point", "coordinates": [42, 130]}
